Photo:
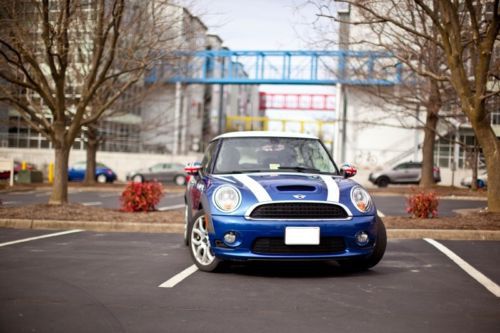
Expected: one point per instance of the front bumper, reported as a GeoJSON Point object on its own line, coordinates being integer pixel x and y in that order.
{"type": "Point", "coordinates": [249, 231]}
{"type": "Point", "coordinates": [373, 178]}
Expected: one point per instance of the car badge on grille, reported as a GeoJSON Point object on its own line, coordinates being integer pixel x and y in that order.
{"type": "Point", "coordinates": [299, 196]}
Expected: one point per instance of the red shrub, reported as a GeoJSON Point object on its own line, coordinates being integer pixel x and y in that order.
{"type": "Point", "coordinates": [423, 204]}
{"type": "Point", "coordinates": [141, 197]}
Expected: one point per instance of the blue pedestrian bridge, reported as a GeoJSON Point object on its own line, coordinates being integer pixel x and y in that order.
{"type": "Point", "coordinates": [280, 67]}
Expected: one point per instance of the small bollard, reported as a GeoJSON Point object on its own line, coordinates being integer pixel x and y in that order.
{"type": "Point", "coordinates": [51, 172]}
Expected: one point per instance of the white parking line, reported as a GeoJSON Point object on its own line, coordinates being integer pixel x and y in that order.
{"type": "Point", "coordinates": [179, 277]}
{"type": "Point", "coordinates": [22, 193]}
{"type": "Point", "coordinates": [474, 273]}
{"type": "Point", "coordinates": [93, 203]}
{"type": "Point", "coordinates": [9, 202]}
{"type": "Point", "coordinates": [380, 213]}
{"type": "Point", "coordinates": [41, 237]}
{"type": "Point", "coordinates": [171, 207]}
{"type": "Point", "coordinates": [174, 195]}
{"type": "Point", "coordinates": [109, 195]}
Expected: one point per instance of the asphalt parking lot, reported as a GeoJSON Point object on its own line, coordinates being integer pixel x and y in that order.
{"type": "Point", "coordinates": [109, 282]}
{"type": "Point", "coordinates": [105, 199]}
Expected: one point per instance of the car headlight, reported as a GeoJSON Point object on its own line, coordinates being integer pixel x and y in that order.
{"type": "Point", "coordinates": [361, 199]}
{"type": "Point", "coordinates": [227, 198]}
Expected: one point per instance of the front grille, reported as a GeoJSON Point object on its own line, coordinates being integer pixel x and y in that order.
{"type": "Point", "coordinates": [299, 210]}
{"type": "Point", "coordinates": [327, 245]}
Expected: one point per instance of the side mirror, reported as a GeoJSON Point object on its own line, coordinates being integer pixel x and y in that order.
{"type": "Point", "coordinates": [192, 169]}
{"type": "Point", "coordinates": [347, 170]}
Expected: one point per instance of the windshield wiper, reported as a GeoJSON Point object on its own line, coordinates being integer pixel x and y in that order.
{"type": "Point", "coordinates": [299, 169]}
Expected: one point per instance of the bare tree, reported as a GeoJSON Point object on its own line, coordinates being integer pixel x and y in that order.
{"type": "Point", "coordinates": [58, 55]}
{"type": "Point", "coordinates": [466, 32]}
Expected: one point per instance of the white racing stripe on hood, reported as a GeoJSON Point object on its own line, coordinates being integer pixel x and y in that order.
{"type": "Point", "coordinates": [225, 179]}
{"type": "Point", "coordinates": [257, 189]}
{"type": "Point", "coordinates": [332, 187]}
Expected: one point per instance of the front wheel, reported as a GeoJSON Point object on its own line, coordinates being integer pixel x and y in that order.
{"type": "Point", "coordinates": [200, 248]}
{"type": "Point", "coordinates": [137, 179]}
{"type": "Point", "coordinates": [383, 182]}
{"type": "Point", "coordinates": [102, 179]}
{"type": "Point", "coordinates": [361, 264]}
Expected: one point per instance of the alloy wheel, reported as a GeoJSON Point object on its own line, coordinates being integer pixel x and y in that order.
{"type": "Point", "coordinates": [200, 244]}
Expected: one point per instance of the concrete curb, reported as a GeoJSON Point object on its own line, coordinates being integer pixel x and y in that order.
{"type": "Point", "coordinates": [179, 228]}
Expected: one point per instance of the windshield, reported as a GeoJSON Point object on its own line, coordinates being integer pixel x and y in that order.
{"type": "Point", "coordinates": [238, 155]}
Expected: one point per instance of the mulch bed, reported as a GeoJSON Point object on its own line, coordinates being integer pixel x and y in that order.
{"type": "Point", "coordinates": [76, 212]}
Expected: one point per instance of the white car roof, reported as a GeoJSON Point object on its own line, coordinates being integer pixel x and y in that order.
{"type": "Point", "coordinates": [253, 134]}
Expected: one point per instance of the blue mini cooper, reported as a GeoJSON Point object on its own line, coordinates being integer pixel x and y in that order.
{"type": "Point", "coordinates": [278, 196]}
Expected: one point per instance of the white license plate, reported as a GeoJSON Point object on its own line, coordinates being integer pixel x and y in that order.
{"type": "Point", "coordinates": [302, 235]}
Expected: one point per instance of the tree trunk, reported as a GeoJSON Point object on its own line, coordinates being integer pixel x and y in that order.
{"type": "Point", "coordinates": [492, 164]}
{"type": "Point", "coordinates": [92, 144]}
{"type": "Point", "coordinates": [59, 194]}
{"type": "Point", "coordinates": [475, 153]}
{"type": "Point", "coordinates": [431, 121]}
{"type": "Point", "coordinates": [491, 149]}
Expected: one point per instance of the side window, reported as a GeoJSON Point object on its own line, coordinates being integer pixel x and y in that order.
{"type": "Point", "coordinates": [401, 166]}
{"type": "Point", "coordinates": [314, 156]}
{"type": "Point", "coordinates": [208, 157]}
{"type": "Point", "coordinates": [80, 166]}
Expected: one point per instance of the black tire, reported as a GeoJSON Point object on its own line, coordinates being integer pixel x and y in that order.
{"type": "Point", "coordinates": [193, 231]}
{"type": "Point", "coordinates": [186, 226]}
{"type": "Point", "coordinates": [362, 264]}
{"type": "Point", "coordinates": [180, 180]}
{"type": "Point", "coordinates": [383, 182]}
{"type": "Point", "coordinates": [137, 179]}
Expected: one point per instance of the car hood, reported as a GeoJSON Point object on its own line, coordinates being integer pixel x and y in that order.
{"type": "Point", "coordinates": [259, 188]}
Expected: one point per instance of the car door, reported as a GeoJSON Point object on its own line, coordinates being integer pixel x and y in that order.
{"type": "Point", "coordinates": [77, 172]}
{"type": "Point", "coordinates": [413, 172]}
{"type": "Point", "coordinates": [167, 174]}
{"type": "Point", "coordinates": [155, 172]}
{"type": "Point", "coordinates": [398, 173]}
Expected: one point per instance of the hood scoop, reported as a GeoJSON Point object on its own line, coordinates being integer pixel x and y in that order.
{"type": "Point", "coordinates": [296, 188]}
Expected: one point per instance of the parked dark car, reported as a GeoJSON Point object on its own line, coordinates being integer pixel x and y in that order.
{"type": "Point", "coordinates": [404, 173]}
{"type": "Point", "coordinates": [103, 174]}
{"type": "Point", "coordinates": [5, 174]}
{"type": "Point", "coordinates": [162, 172]}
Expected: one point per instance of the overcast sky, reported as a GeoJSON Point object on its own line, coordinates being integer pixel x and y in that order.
{"type": "Point", "coordinates": [259, 24]}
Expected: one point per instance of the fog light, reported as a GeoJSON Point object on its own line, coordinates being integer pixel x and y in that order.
{"type": "Point", "coordinates": [362, 238]}
{"type": "Point", "coordinates": [230, 237]}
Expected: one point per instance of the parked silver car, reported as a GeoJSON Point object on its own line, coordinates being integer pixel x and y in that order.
{"type": "Point", "coordinates": [482, 181]}
{"type": "Point", "coordinates": [162, 172]}
{"type": "Point", "coordinates": [404, 173]}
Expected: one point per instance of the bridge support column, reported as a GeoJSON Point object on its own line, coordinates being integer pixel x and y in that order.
{"type": "Point", "coordinates": [177, 117]}
{"type": "Point", "coordinates": [338, 138]}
